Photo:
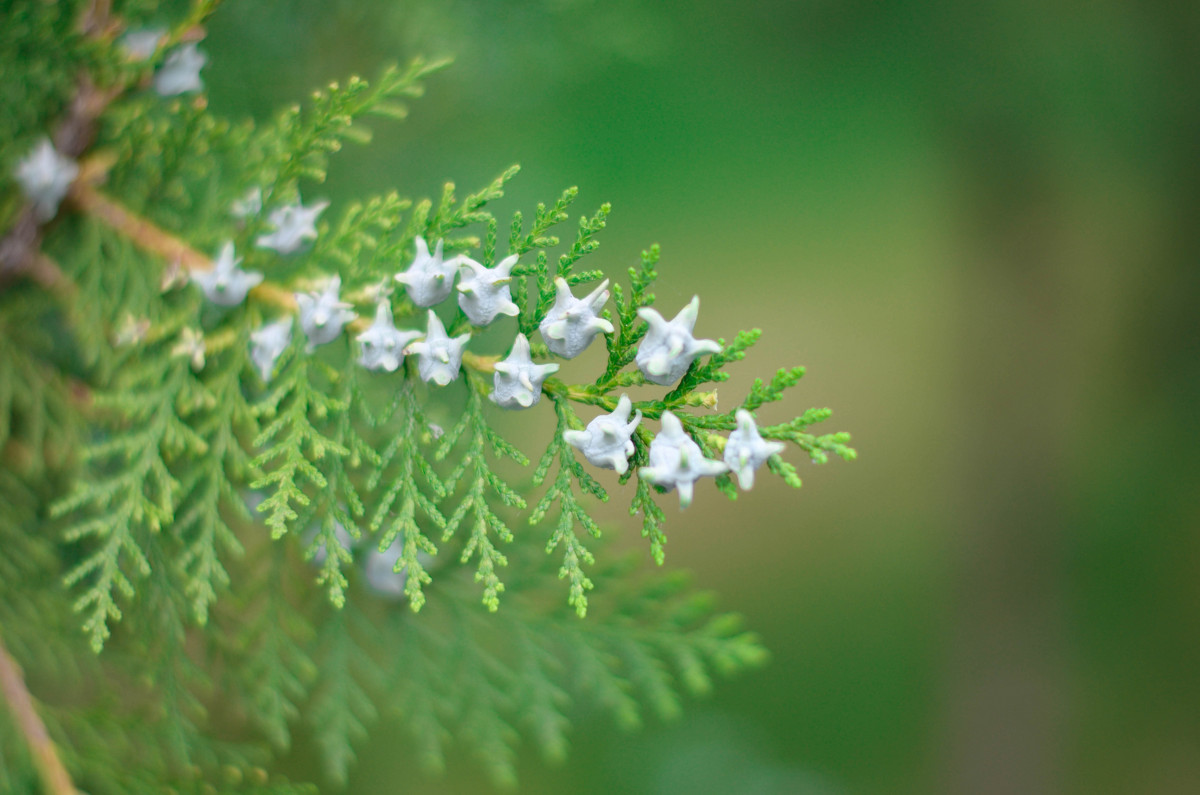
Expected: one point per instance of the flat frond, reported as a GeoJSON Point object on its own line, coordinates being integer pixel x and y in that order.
{"type": "Point", "coordinates": [295, 440]}
{"type": "Point", "coordinates": [481, 485]}
{"type": "Point", "coordinates": [570, 510]}
{"type": "Point", "coordinates": [397, 507]}
{"type": "Point", "coordinates": [129, 492]}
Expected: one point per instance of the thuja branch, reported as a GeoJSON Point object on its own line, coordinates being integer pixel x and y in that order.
{"type": "Point", "coordinates": [54, 776]}
{"type": "Point", "coordinates": [149, 237]}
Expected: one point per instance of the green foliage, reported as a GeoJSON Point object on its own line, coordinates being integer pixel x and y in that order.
{"type": "Point", "coordinates": [38, 424]}
{"type": "Point", "coordinates": [294, 445]}
{"type": "Point", "coordinates": [399, 504]}
{"type": "Point", "coordinates": [481, 484]}
{"type": "Point", "coordinates": [128, 492]}
{"type": "Point", "coordinates": [140, 737]}
{"type": "Point", "coordinates": [570, 511]}
{"type": "Point", "coordinates": [272, 642]}
{"type": "Point", "coordinates": [341, 708]}
{"type": "Point", "coordinates": [152, 478]}
{"type": "Point", "coordinates": [628, 331]}
{"type": "Point", "coordinates": [219, 410]}
{"type": "Point", "coordinates": [40, 54]}
{"type": "Point", "coordinates": [484, 679]}
{"type": "Point", "coordinates": [298, 143]}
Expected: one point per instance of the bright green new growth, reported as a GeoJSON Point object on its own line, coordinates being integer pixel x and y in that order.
{"type": "Point", "coordinates": [131, 466]}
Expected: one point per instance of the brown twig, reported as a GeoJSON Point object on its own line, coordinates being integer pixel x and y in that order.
{"type": "Point", "coordinates": [96, 19]}
{"type": "Point", "coordinates": [141, 232]}
{"type": "Point", "coordinates": [19, 247]}
{"type": "Point", "coordinates": [54, 776]}
{"type": "Point", "coordinates": [20, 255]}
{"type": "Point", "coordinates": [482, 364]}
{"type": "Point", "coordinates": [149, 237]}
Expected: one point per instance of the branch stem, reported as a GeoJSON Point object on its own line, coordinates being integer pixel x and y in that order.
{"type": "Point", "coordinates": [54, 776]}
{"type": "Point", "coordinates": [149, 237]}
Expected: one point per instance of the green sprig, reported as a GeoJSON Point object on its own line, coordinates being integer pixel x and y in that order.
{"type": "Point", "coordinates": [481, 484]}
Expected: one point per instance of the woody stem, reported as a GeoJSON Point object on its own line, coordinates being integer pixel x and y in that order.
{"type": "Point", "coordinates": [149, 237]}
{"type": "Point", "coordinates": [54, 776]}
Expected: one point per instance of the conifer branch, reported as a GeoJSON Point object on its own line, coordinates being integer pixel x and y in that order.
{"type": "Point", "coordinates": [50, 768]}
{"type": "Point", "coordinates": [200, 400]}
{"type": "Point", "coordinates": [482, 483]}
{"type": "Point", "coordinates": [405, 494]}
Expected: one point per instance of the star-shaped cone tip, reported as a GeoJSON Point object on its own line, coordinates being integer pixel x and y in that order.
{"type": "Point", "coordinates": [746, 450]}
{"type": "Point", "coordinates": [191, 346]}
{"type": "Point", "coordinates": [140, 43]}
{"type": "Point", "coordinates": [323, 315]}
{"type": "Point", "coordinates": [423, 248]}
{"type": "Point", "coordinates": [250, 204]}
{"type": "Point", "coordinates": [572, 323]}
{"type": "Point", "coordinates": [45, 176]}
{"type": "Point", "coordinates": [676, 461]}
{"type": "Point", "coordinates": [268, 343]}
{"type": "Point", "coordinates": [383, 315]}
{"type": "Point", "coordinates": [621, 414]}
{"type": "Point", "coordinates": [226, 284]}
{"type": "Point", "coordinates": [607, 441]}
{"type": "Point", "coordinates": [672, 428]}
{"type": "Point", "coordinates": [521, 352]}
{"type": "Point", "coordinates": [180, 71]}
{"type": "Point", "coordinates": [383, 345]}
{"type": "Point", "coordinates": [483, 293]}
{"type": "Point", "coordinates": [504, 267]}
{"type": "Point", "coordinates": [428, 279]}
{"type": "Point", "coordinates": [294, 224]}
{"type": "Point", "coordinates": [517, 381]}
{"type": "Point", "coordinates": [669, 348]}
{"type": "Point", "coordinates": [439, 356]}
{"type": "Point", "coordinates": [686, 319]}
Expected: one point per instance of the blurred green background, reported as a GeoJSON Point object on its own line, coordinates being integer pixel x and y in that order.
{"type": "Point", "coordinates": [976, 225]}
